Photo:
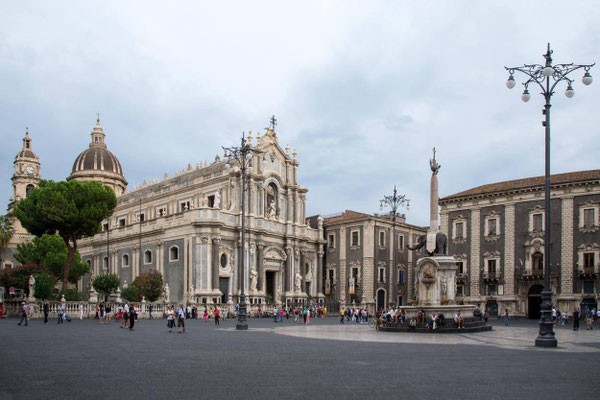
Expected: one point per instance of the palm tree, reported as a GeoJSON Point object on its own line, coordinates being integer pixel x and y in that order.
{"type": "Point", "coordinates": [6, 233]}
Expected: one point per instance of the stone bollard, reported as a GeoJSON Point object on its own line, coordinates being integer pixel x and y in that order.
{"type": "Point", "coordinates": [144, 308]}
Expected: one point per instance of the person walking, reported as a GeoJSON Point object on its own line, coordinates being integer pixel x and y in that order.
{"type": "Point", "coordinates": [132, 315]}
{"type": "Point", "coordinates": [180, 319]}
{"type": "Point", "coordinates": [342, 316]}
{"type": "Point", "coordinates": [60, 313]}
{"type": "Point", "coordinates": [25, 315]}
{"type": "Point", "coordinates": [101, 319]}
{"type": "Point", "coordinates": [46, 312]}
{"type": "Point", "coordinates": [205, 315]}
{"type": "Point", "coordinates": [150, 311]}
{"type": "Point", "coordinates": [107, 312]}
{"type": "Point", "coordinates": [80, 311]}
{"type": "Point", "coordinates": [589, 315]}
{"type": "Point", "coordinates": [217, 314]}
{"type": "Point", "coordinates": [170, 319]}
{"type": "Point", "coordinates": [576, 319]}
{"type": "Point", "coordinates": [506, 317]}
{"type": "Point", "coordinates": [125, 320]}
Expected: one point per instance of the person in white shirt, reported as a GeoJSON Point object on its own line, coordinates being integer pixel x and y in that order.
{"type": "Point", "coordinates": [180, 319]}
{"type": "Point", "coordinates": [81, 311]}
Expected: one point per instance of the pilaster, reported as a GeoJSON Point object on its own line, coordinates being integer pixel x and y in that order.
{"type": "Point", "coordinates": [566, 262]}
{"type": "Point", "coordinates": [509, 249]}
{"type": "Point", "coordinates": [474, 268]}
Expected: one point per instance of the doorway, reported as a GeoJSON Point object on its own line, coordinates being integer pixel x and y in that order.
{"type": "Point", "coordinates": [588, 304]}
{"type": "Point", "coordinates": [534, 301]}
{"type": "Point", "coordinates": [380, 299]}
{"type": "Point", "coordinates": [270, 285]}
{"type": "Point", "coordinates": [224, 288]}
{"type": "Point", "coordinates": [492, 308]}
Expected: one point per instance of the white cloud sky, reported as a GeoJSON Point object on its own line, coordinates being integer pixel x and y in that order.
{"type": "Point", "coordinates": [362, 90]}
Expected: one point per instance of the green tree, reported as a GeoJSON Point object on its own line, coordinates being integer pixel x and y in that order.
{"type": "Point", "coordinates": [44, 284]}
{"type": "Point", "coordinates": [150, 285]}
{"type": "Point", "coordinates": [18, 276]}
{"type": "Point", "coordinates": [131, 293]}
{"type": "Point", "coordinates": [49, 252]}
{"type": "Point", "coordinates": [73, 294]}
{"type": "Point", "coordinates": [6, 233]}
{"type": "Point", "coordinates": [72, 210]}
{"type": "Point", "coordinates": [106, 284]}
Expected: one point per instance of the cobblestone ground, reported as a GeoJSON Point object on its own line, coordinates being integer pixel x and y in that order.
{"type": "Point", "coordinates": [84, 359]}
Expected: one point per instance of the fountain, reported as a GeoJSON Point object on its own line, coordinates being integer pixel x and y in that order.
{"type": "Point", "coordinates": [435, 277]}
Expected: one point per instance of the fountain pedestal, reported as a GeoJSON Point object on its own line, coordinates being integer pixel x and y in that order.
{"type": "Point", "coordinates": [436, 280]}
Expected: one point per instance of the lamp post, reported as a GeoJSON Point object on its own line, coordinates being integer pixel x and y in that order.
{"type": "Point", "coordinates": [394, 201]}
{"type": "Point", "coordinates": [547, 77]}
{"type": "Point", "coordinates": [242, 155]}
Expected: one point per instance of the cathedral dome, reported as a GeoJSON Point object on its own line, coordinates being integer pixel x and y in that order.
{"type": "Point", "coordinates": [99, 164]}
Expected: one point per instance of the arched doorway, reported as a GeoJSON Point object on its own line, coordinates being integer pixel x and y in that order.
{"type": "Point", "coordinates": [380, 299]}
{"type": "Point", "coordinates": [534, 301]}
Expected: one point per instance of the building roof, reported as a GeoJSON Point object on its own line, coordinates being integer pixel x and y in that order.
{"type": "Point", "coordinates": [345, 216]}
{"type": "Point", "coordinates": [533, 183]}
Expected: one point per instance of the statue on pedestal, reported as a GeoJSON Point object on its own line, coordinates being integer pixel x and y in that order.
{"type": "Point", "coordinates": [31, 287]}
{"type": "Point", "coordinates": [298, 282]}
{"type": "Point", "coordinates": [253, 279]}
{"type": "Point", "coordinates": [167, 292]}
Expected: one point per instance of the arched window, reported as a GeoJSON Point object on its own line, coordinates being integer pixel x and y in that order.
{"type": "Point", "coordinates": [537, 261]}
{"type": "Point", "coordinates": [125, 260]}
{"type": "Point", "coordinates": [105, 263]}
{"type": "Point", "coordinates": [223, 260]}
{"type": "Point", "coordinates": [28, 189]}
{"type": "Point", "coordinates": [147, 257]}
{"type": "Point", "coordinates": [174, 253]}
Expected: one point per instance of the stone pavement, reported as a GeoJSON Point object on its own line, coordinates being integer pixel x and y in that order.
{"type": "Point", "coordinates": [85, 360]}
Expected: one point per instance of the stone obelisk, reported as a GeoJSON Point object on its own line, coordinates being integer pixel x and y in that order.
{"type": "Point", "coordinates": [434, 225]}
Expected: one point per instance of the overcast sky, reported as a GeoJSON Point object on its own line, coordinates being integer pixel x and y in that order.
{"type": "Point", "coordinates": [363, 90]}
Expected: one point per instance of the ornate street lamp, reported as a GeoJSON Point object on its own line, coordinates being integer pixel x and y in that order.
{"type": "Point", "coordinates": [242, 155]}
{"type": "Point", "coordinates": [547, 77]}
{"type": "Point", "coordinates": [394, 201]}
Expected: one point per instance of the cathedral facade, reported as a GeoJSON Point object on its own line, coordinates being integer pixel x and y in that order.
{"type": "Point", "coordinates": [188, 227]}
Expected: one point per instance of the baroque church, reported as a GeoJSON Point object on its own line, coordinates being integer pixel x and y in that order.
{"type": "Point", "coordinates": [188, 226]}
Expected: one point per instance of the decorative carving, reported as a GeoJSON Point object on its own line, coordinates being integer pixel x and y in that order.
{"type": "Point", "coordinates": [253, 279]}
{"type": "Point", "coordinates": [167, 292]}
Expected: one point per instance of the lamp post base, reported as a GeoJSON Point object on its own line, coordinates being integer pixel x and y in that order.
{"type": "Point", "coordinates": [546, 336]}
{"type": "Point", "coordinates": [243, 326]}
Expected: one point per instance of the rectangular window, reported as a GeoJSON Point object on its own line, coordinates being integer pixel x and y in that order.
{"type": "Point", "coordinates": [121, 222]}
{"type": "Point", "coordinates": [211, 201]}
{"type": "Point", "coordinates": [537, 222]}
{"type": "Point", "coordinates": [105, 227]}
{"type": "Point", "coordinates": [588, 217]}
{"type": "Point", "coordinates": [401, 241]}
{"type": "Point", "coordinates": [381, 275]}
{"type": "Point", "coordinates": [492, 227]}
{"type": "Point", "coordinates": [331, 241]}
{"type": "Point", "coordinates": [460, 265]}
{"type": "Point", "coordinates": [459, 290]}
{"type": "Point", "coordinates": [588, 260]}
{"type": "Point", "coordinates": [381, 238]}
{"type": "Point", "coordinates": [401, 276]}
{"type": "Point", "coordinates": [161, 211]}
{"type": "Point", "coordinates": [459, 230]}
{"type": "Point", "coordinates": [491, 268]}
{"type": "Point", "coordinates": [355, 241]}
{"type": "Point", "coordinates": [184, 206]}
{"type": "Point", "coordinates": [493, 290]}
{"type": "Point", "coordinates": [332, 275]}
{"type": "Point", "coordinates": [588, 287]}
{"type": "Point", "coordinates": [142, 217]}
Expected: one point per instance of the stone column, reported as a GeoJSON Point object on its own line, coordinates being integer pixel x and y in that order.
{"type": "Point", "coordinates": [444, 223]}
{"type": "Point", "coordinates": [261, 267]}
{"type": "Point", "coordinates": [159, 261]}
{"type": "Point", "coordinates": [566, 262]}
{"type": "Point", "coordinates": [302, 270]}
{"type": "Point", "coordinates": [286, 269]}
{"type": "Point", "coordinates": [319, 277]}
{"type": "Point", "coordinates": [215, 264]}
{"type": "Point", "coordinates": [433, 203]}
{"type": "Point", "coordinates": [475, 252]}
{"type": "Point", "coordinates": [509, 250]}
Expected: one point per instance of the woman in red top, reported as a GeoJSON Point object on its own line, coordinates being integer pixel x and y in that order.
{"type": "Point", "coordinates": [217, 315]}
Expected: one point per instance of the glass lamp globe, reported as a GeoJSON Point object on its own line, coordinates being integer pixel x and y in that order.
{"type": "Point", "coordinates": [548, 71]}
{"type": "Point", "coordinates": [525, 96]}
{"type": "Point", "coordinates": [569, 92]}
{"type": "Point", "coordinates": [510, 83]}
{"type": "Point", "coordinates": [587, 79]}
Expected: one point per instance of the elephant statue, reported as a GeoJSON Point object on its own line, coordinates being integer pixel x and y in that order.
{"type": "Point", "coordinates": [441, 244]}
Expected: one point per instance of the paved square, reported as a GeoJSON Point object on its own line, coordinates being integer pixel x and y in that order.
{"type": "Point", "coordinates": [84, 359]}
